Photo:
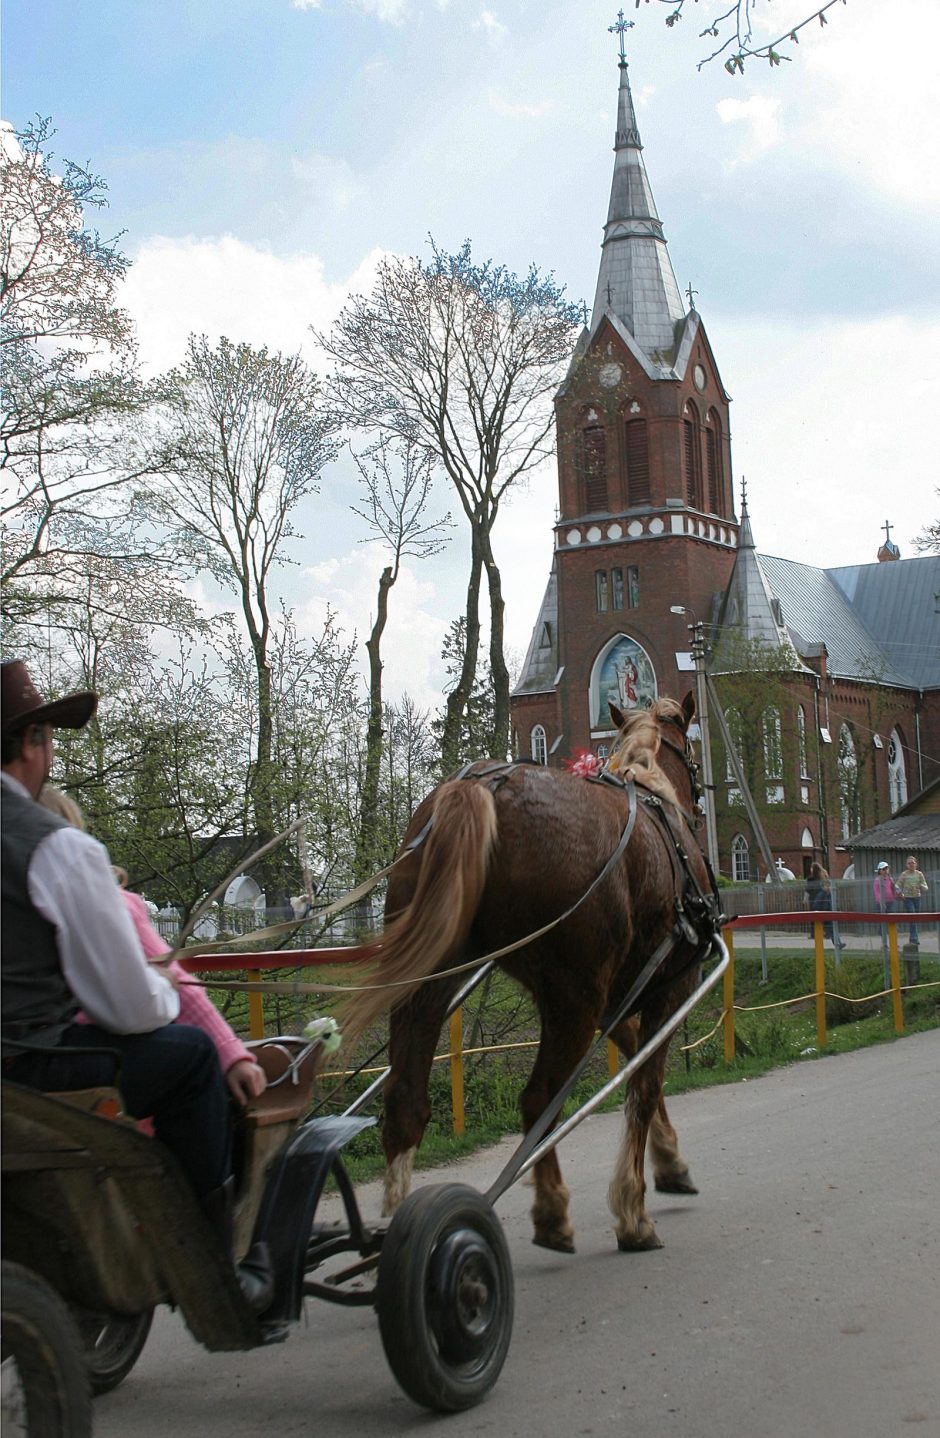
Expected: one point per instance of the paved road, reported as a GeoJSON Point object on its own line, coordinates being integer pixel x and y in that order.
{"type": "Point", "coordinates": [799, 1294]}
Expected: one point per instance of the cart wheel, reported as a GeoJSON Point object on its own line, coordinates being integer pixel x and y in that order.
{"type": "Point", "coordinates": [45, 1383]}
{"type": "Point", "coordinates": [444, 1297]}
{"type": "Point", "coordinates": [112, 1343]}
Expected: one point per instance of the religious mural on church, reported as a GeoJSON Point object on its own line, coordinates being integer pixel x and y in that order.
{"type": "Point", "coordinates": [625, 678]}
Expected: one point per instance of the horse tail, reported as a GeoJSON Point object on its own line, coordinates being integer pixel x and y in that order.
{"type": "Point", "coordinates": [434, 925]}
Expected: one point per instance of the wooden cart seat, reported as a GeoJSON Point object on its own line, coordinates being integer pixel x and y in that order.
{"type": "Point", "coordinates": [290, 1078]}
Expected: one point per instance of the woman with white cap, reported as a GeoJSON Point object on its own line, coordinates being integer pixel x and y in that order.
{"type": "Point", "coordinates": [886, 894]}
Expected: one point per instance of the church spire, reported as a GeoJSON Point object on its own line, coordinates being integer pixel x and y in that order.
{"type": "Point", "coordinates": [636, 280]}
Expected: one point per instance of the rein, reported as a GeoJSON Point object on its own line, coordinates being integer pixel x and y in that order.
{"type": "Point", "coordinates": [705, 908]}
{"type": "Point", "coordinates": [292, 987]}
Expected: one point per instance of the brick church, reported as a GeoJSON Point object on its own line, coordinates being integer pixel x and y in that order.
{"type": "Point", "coordinates": [648, 539]}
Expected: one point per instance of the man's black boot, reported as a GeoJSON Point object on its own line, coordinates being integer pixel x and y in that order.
{"type": "Point", "coordinates": [255, 1274]}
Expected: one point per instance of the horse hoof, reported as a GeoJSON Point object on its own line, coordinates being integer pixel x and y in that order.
{"type": "Point", "coordinates": [640, 1244]}
{"type": "Point", "coordinates": [557, 1245]}
{"type": "Point", "coordinates": [675, 1183]}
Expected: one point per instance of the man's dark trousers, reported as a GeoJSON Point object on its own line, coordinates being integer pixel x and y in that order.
{"type": "Point", "coordinates": [171, 1074]}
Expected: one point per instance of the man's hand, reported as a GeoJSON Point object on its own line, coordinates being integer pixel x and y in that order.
{"type": "Point", "coordinates": [246, 1080]}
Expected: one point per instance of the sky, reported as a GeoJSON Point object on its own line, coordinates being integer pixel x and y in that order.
{"type": "Point", "coordinates": [262, 155]}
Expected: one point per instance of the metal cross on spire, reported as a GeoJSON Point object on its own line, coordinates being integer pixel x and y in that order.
{"type": "Point", "coordinates": [887, 529]}
{"type": "Point", "coordinates": [621, 28]}
{"type": "Point", "coordinates": [691, 296]}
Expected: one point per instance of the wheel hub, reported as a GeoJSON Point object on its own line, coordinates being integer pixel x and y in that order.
{"type": "Point", "coordinates": [463, 1282]}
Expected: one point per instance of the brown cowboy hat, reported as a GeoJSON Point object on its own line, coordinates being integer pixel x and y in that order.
{"type": "Point", "coordinates": [21, 702]}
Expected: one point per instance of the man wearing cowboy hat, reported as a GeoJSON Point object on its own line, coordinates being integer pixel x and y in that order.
{"type": "Point", "coordinates": [69, 944]}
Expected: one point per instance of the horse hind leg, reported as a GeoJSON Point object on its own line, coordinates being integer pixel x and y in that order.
{"type": "Point", "coordinates": [670, 1170]}
{"type": "Point", "coordinates": [413, 1033]}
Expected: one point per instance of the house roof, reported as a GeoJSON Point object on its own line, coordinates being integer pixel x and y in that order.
{"type": "Point", "coordinates": [914, 832]}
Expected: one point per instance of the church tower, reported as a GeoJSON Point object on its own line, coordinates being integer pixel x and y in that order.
{"type": "Point", "coordinates": [645, 509]}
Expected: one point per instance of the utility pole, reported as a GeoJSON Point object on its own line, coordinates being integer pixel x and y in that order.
{"type": "Point", "coordinates": [697, 632]}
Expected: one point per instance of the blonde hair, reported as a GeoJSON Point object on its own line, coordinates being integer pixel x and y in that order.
{"type": "Point", "coordinates": [634, 753]}
{"type": "Point", "coordinates": [62, 806]}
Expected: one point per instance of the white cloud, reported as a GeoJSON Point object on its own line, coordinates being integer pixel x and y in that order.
{"type": "Point", "coordinates": [518, 110]}
{"type": "Point", "coordinates": [223, 286]}
{"type": "Point", "coordinates": [333, 181]}
{"type": "Point", "coordinates": [494, 29]}
{"type": "Point", "coordinates": [761, 113]}
{"type": "Point", "coordinates": [832, 425]}
{"type": "Point", "coordinates": [414, 635]}
{"type": "Point", "coordinates": [392, 12]}
{"type": "Point", "coordinates": [883, 130]}
{"type": "Point", "coordinates": [306, 4]}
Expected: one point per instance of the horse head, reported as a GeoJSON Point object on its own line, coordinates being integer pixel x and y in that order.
{"type": "Point", "coordinates": [643, 734]}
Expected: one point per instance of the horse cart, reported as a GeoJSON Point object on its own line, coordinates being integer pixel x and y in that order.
{"type": "Point", "coordinates": [99, 1225]}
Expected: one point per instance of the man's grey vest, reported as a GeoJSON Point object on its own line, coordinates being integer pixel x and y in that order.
{"type": "Point", "coordinates": [37, 1002]}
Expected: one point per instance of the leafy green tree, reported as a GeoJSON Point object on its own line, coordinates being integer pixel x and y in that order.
{"type": "Point", "coordinates": [752, 678]}
{"type": "Point", "coordinates": [476, 723]}
{"type": "Point", "coordinates": [71, 388]}
{"type": "Point", "coordinates": [461, 360]}
{"type": "Point", "coordinates": [395, 486]}
{"type": "Point", "coordinates": [246, 435]}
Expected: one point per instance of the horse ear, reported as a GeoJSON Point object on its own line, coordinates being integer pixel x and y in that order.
{"type": "Point", "coordinates": [617, 716]}
{"type": "Point", "coordinates": [688, 708]}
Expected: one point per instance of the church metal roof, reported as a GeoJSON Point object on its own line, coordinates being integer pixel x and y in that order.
{"type": "Point", "coordinates": [541, 661]}
{"type": "Point", "coordinates": [879, 622]}
{"type": "Point", "coordinates": [636, 282]}
{"type": "Point", "coordinates": [899, 603]}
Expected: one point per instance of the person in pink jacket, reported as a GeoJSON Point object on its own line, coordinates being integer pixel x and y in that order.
{"type": "Point", "coordinates": [244, 1077]}
{"type": "Point", "coordinates": [242, 1074]}
{"type": "Point", "coordinates": [886, 895]}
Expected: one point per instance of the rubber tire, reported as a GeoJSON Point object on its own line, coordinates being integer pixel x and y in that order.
{"type": "Point", "coordinates": [440, 1230]}
{"type": "Point", "coordinates": [112, 1344]}
{"type": "Point", "coordinates": [40, 1335]}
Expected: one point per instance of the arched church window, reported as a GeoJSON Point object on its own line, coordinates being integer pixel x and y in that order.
{"type": "Point", "coordinates": [801, 740]}
{"type": "Point", "coordinates": [539, 747]}
{"type": "Point", "coordinates": [594, 468]}
{"type": "Point", "coordinates": [713, 472]}
{"type": "Point", "coordinates": [623, 675]}
{"type": "Point", "coordinates": [897, 774]}
{"type": "Point", "coordinates": [848, 783]}
{"type": "Point", "coordinates": [693, 457]}
{"type": "Point", "coordinates": [637, 455]}
{"type": "Point", "coordinates": [773, 743]}
{"type": "Point", "coordinates": [733, 721]}
{"type": "Point", "coordinates": [740, 859]}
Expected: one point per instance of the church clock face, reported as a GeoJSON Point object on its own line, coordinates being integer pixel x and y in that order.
{"type": "Point", "coordinates": [609, 374]}
{"type": "Point", "coordinates": [698, 375]}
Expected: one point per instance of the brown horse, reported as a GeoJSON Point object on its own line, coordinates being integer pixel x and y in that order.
{"type": "Point", "coordinates": [509, 848]}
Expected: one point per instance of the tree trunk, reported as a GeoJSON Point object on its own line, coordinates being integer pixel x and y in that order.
{"type": "Point", "coordinates": [459, 696]}
{"type": "Point", "coordinates": [499, 737]}
{"type": "Point", "coordinates": [368, 804]}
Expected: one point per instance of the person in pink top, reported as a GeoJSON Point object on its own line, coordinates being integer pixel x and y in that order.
{"type": "Point", "coordinates": [244, 1077]}
{"type": "Point", "coordinates": [886, 895]}
{"type": "Point", "coordinates": [242, 1074]}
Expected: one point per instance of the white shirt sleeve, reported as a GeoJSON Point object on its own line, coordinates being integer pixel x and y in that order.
{"type": "Point", "coordinates": [71, 883]}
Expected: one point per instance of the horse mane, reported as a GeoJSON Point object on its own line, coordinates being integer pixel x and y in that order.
{"type": "Point", "coordinates": [635, 754]}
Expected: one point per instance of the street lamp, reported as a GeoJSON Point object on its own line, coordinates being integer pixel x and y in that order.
{"type": "Point", "coordinates": [697, 635]}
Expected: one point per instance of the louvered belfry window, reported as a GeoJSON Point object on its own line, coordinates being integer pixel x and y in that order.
{"type": "Point", "coordinates": [713, 463]}
{"type": "Point", "coordinates": [636, 449]}
{"type": "Point", "coordinates": [594, 468]}
{"type": "Point", "coordinates": [693, 460]}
